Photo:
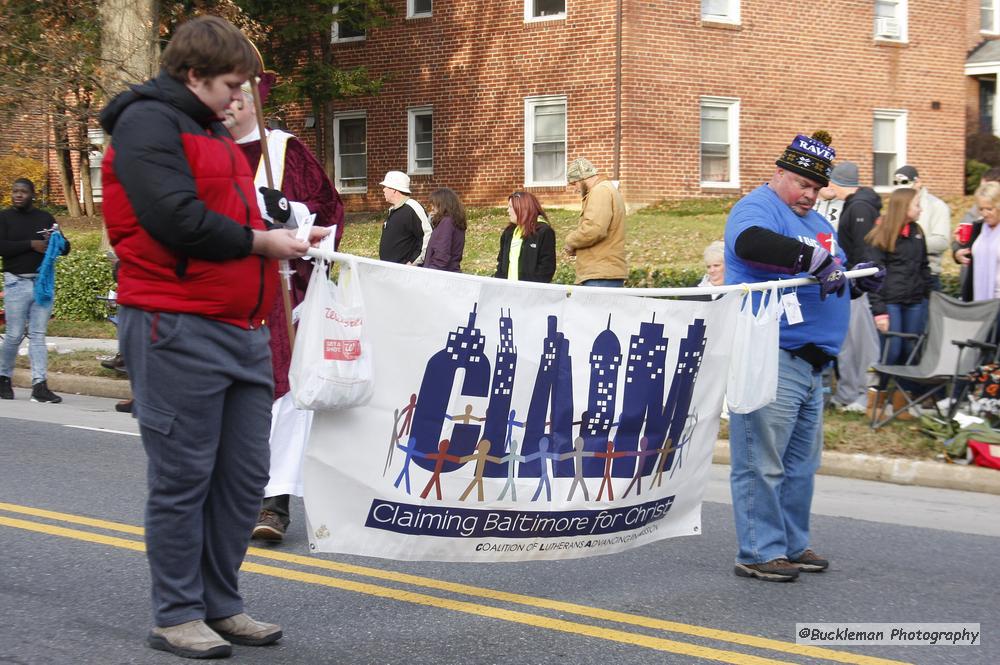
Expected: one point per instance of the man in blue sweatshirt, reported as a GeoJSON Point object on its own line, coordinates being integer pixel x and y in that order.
{"type": "Point", "coordinates": [774, 233]}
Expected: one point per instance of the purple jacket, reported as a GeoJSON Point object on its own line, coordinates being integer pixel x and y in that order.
{"type": "Point", "coordinates": [445, 248]}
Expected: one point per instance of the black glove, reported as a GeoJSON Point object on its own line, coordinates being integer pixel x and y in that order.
{"type": "Point", "coordinates": [829, 271]}
{"type": "Point", "coordinates": [870, 283]}
{"type": "Point", "coordinates": [276, 204]}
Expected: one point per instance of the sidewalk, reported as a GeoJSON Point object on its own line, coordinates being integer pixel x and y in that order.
{"type": "Point", "coordinates": [895, 470]}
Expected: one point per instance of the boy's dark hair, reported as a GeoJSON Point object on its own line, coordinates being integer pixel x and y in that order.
{"type": "Point", "coordinates": [211, 46]}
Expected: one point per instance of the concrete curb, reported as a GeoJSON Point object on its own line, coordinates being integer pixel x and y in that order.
{"type": "Point", "coordinates": [95, 386]}
{"type": "Point", "coordinates": [896, 470]}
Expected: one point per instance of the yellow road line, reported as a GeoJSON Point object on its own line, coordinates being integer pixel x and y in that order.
{"type": "Point", "coordinates": [533, 620]}
{"type": "Point", "coordinates": [503, 596]}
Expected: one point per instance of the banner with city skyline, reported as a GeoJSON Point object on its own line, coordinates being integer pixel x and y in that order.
{"type": "Point", "coordinates": [516, 422]}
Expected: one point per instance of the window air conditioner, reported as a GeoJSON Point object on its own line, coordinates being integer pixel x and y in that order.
{"type": "Point", "coordinates": [887, 27]}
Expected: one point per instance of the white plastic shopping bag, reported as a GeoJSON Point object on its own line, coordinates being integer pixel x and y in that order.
{"type": "Point", "coordinates": [331, 364]}
{"type": "Point", "coordinates": [753, 365]}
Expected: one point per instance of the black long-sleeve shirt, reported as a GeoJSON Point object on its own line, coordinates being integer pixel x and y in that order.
{"type": "Point", "coordinates": [17, 229]}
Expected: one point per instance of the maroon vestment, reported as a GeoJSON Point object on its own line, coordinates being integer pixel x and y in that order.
{"type": "Point", "coordinates": [306, 182]}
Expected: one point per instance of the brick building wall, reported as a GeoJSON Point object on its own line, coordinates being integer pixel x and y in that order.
{"type": "Point", "coordinates": [793, 68]}
{"type": "Point", "coordinates": [790, 76]}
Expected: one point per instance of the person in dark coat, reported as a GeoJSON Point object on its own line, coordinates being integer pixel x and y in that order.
{"type": "Point", "coordinates": [447, 243]}
{"type": "Point", "coordinates": [528, 244]}
{"type": "Point", "coordinates": [897, 242]}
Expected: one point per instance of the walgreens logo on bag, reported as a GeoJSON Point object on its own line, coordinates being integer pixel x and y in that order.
{"type": "Point", "coordinates": [335, 315]}
{"type": "Point", "coordinates": [341, 349]}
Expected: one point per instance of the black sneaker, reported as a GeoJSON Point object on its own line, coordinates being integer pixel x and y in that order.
{"type": "Point", "coordinates": [776, 570]}
{"type": "Point", "coordinates": [40, 393]}
{"type": "Point", "coordinates": [6, 389]}
{"type": "Point", "coordinates": [810, 562]}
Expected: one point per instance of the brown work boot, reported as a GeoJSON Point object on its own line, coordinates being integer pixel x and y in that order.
{"type": "Point", "coordinates": [876, 403]}
{"type": "Point", "coordinates": [776, 570]}
{"type": "Point", "coordinates": [269, 527]}
{"type": "Point", "coordinates": [810, 562]}
{"type": "Point", "coordinates": [899, 406]}
{"type": "Point", "coordinates": [242, 629]}
{"type": "Point", "coordinates": [193, 639]}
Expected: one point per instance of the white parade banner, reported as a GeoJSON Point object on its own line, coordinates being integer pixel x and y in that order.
{"type": "Point", "coordinates": [513, 421]}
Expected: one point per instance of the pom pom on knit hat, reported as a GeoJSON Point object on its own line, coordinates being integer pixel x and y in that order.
{"type": "Point", "coordinates": [810, 157]}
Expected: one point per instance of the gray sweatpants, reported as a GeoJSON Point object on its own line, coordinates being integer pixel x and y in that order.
{"type": "Point", "coordinates": [203, 392]}
{"type": "Point", "coordinates": [857, 354]}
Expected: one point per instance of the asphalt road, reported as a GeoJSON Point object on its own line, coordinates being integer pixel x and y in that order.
{"type": "Point", "coordinates": [74, 584]}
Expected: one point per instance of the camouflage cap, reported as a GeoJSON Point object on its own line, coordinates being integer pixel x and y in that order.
{"type": "Point", "coordinates": [580, 169]}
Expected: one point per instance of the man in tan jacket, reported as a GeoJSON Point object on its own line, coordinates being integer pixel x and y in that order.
{"type": "Point", "coordinates": [598, 242]}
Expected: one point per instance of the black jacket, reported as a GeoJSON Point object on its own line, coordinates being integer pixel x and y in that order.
{"type": "Point", "coordinates": [537, 262]}
{"type": "Point", "coordinates": [402, 236]}
{"type": "Point", "coordinates": [17, 229]}
{"type": "Point", "coordinates": [908, 275]}
{"type": "Point", "coordinates": [857, 218]}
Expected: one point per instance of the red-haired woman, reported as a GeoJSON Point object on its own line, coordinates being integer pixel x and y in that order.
{"type": "Point", "coordinates": [528, 244]}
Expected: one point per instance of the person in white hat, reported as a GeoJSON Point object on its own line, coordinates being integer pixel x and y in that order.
{"type": "Point", "coordinates": [407, 229]}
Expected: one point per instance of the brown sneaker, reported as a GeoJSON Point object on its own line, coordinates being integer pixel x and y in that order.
{"type": "Point", "coordinates": [810, 562]}
{"type": "Point", "coordinates": [193, 639]}
{"type": "Point", "coordinates": [776, 570]}
{"type": "Point", "coordinates": [242, 629]}
{"type": "Point", "coordinates": [269, 527]}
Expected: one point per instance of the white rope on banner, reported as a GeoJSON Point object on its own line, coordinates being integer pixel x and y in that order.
{"type": "Point", "coordinates": [339, 257]}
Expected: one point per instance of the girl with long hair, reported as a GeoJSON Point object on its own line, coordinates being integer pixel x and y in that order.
{"type": "Point", "coordinates": [897, 242]}
{"type": "Point", "coordinates": [528, 244]}
{"type": "Point", "coordinates": [447, 243]}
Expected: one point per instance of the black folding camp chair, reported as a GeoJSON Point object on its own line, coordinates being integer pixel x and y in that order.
{"type": "Point", "coordinates": [957, 339]}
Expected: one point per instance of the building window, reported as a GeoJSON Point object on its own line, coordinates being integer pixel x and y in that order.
{"type": "Point", "coordinates": [421, 135]}
{"type": "Point", "coordinates": [888, 146]}
{"type": "Point", "coordinates": [544, 10]}
{"type": "Point", "coordinates": [350, 150]}
{"type": "Point", "coordinates": [988, 16]}
{"type": "Point", "coordinates": [418, 8]}
{"type": "Point", "coordinates": [95, 138]}
{"type": "Point", "coordinates": [720, 11]}
{"type": "Point", "coordinates": [545, 141]}
{"type": "Point", "coordinates": [987, 99]}
{"type": "Point", "coordinates": [720, 142]}
{"type": "Point", "coordinates": [891, 20]}
{"type": "Point", "coordinates": [346, 29]}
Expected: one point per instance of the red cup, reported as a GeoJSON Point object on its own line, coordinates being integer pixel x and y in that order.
{"type": "Point", "coordinates": [964, 233]}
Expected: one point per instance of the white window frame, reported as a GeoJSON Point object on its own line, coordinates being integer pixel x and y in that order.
{"type": "Point", "coordinates": [732, 106]}
{"type": "Point", "coordinates": [900, 117]}
{"type": "Point", "coordinates": [902, 20]}
{"type": "Point", "coordinates": [337, 117]}
{"type": "Point", "coordinates": [732, 14]}
{"type": "Point", "coordinates": [411, 11]}
{"type": "Point", "coordinates": [411, 130]}
{"type": "Point", "coordinates": [529, 13]}
{"type": "Point", "coordinates": [995, 28]}
{"type": "Point", "coordinates": [95, 136]}
{"type": "Point", "coordinates": [529, 134]}
{"type": "Point", "coordinates": [335, 37]}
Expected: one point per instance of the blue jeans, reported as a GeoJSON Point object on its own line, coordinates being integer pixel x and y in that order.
{"type": "Point", "coordinates": [20, 310]}
{"type": "Point", "coordinates": [615, 283]}
{"type": "Point", "coordinates": [775, 452]}
{"type": "Point", "coordinates": [906, 319]}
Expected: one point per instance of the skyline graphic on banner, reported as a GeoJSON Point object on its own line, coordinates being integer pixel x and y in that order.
{"type": "Point", "coordinates": [638, 438]}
